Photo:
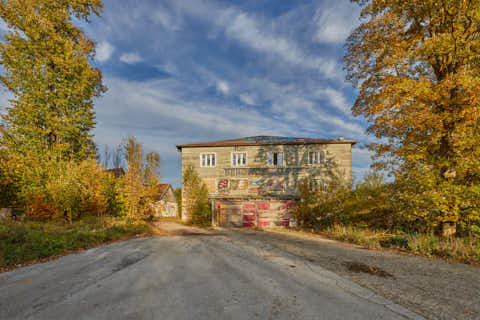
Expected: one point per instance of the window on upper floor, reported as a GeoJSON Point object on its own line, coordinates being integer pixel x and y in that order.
{"type": "Point", "coordinates": [239, 159]}
{"type": "Point", "coordinates": [317, 157]}
{"type": "Point", "coordinates": [275, 159]}
{"type": "Point", "coordinates": [208, 160]}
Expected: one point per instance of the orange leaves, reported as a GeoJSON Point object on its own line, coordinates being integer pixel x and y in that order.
{"type": "Point", "coordinates": [40, 209]}
{"type": "Point", "coordinates": [418, 63]}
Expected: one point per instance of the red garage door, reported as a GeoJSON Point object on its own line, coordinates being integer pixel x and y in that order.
{"type": "Point", "coordinates": [252, 213]}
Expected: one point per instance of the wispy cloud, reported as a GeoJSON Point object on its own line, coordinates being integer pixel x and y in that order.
{"type": "Point", "coordinates": [131, 58]}
{"type": "Point", "coordinates": [247, 99]}
{"type": "Point", "coordinates": [336, 99]}
{"type": "Point", "coordinates": [232, 71]}
{"type": "Point", "coordinates": [334, 23]}
{"type": "Point", "coordinates": [249, 31]}
{"type": "Point", "coordinates": [166, 20]}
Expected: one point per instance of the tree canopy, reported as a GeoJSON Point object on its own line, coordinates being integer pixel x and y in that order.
{"type": "Point", "coordinates": [416, 64]}
{"type": "Point", "coordinates": [45, 59]}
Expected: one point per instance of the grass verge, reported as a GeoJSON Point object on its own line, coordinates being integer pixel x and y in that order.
{"type": "Point", "coordinates": [23, 243]}
{"type": "Point", "coordinates": [464, 250]}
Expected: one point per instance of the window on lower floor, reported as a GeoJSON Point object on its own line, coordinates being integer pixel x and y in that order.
{"type": "Point", "coordinates": [208, 160]}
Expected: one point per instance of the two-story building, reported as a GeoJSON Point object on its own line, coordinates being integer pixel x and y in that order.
{"type": "Point", "coordinates": [253, 181]}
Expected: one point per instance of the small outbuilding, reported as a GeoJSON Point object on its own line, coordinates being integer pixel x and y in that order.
{"type": "Point", "coordinates": [166, 204]}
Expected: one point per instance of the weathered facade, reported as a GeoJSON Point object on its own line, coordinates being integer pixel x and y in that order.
{"type": "Point", "coordinates": [166, 204]}
{"type": "Point", "coordinates": [253, 181]}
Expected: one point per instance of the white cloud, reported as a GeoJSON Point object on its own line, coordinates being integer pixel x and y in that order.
{"type": "Point", "coordinates": [104, 51]}
{"type": "Point", "coordinates": [223, 87]}
{"type": "Point", "coordinates": [300, 103]}
{"type": "Point", "coordinates": [130, 58]}
{"type": "Point", "coordinates": [336, 99]}
{"type": "Point", "coordinates": [247, 30]}
{"type": "Point", "coordinates": [335, 23]}
{"type": "Point", "coordinates": [5, 96]}
{"type": "Point", "coordinates": [361, 160]}
{"type": "Point", "coordinates": [261, 36]}
{"type": "Point", "coordinates": [3, 26]}
{"type": "Point", "coordinates": [248, 99]}
{"type": "Point", "coordinates": [362, 155]}
{"type": "Point", "coordinates": [167, 21]}
{"type": "Point", "coordinates": [146, 109]}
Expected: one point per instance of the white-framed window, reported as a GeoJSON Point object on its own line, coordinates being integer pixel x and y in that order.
{"type": "Point", "coordinates": [317, 157]}
{"type": "Point", "coordinates": [239, 159]}
{"type": "Point", "coordinates": [208, 160]}
{"type": "Point", "coordinates": [275, 159]}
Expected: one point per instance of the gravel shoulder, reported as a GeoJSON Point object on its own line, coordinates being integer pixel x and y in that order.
{"type": "Point", "coordinates": [433, 288]}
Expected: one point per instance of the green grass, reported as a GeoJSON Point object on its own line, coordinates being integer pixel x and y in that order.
{"type": "Point", "coordinates": [23, 242]}
{"type": "Point", "coordinates": [465, 250]}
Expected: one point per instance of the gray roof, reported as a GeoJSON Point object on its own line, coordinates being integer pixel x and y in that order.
{"type": "Point", "coordinates": [265, 140]}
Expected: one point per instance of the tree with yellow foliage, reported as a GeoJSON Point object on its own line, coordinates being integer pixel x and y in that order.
{"type": "Point", "coordinates": [45, 59]}
{"type": "Point", "coordinates": [417, 66]}
{"type": "Point", "coordinates": [140, 183]}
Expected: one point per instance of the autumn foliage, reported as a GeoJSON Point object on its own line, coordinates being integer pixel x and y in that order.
{"type": "Point", "coordinates": [46, 66]}
{"type": "Point", "coordinates": [48, 165]}
{"type": "Point", "coordinates": [417, 67]}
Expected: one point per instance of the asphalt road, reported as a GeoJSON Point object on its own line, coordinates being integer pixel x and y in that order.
{"type": "Point", "coordinates": [187, 276]}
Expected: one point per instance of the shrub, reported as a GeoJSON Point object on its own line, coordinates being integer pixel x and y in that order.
{"type": "Point", "coordinates": [40, 209]}
{"type": "Point", "coordinates": [50, 188]}
{"type": "Point", "coordinates": [197, 209]}
{"type": "Point", "coordinates": [202, 212]}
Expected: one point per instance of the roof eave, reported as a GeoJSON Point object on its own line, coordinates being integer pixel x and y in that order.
{"type": "Point", "coordinates": [203, 145]}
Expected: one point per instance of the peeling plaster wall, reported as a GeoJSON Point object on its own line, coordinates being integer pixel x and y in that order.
{"type": "Point", "coordinates": [257, 179]}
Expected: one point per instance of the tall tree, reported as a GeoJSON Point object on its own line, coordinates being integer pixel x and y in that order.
{"type": "Point", "coordinates": [46, 59]}
{"type": "Point", "coordinates": [141, 178]}
{"type": "Point", "coordinates": [417, 66]}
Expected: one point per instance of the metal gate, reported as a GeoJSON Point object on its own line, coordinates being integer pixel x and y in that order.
{"type": "Point", "coordinates": [252, 213]}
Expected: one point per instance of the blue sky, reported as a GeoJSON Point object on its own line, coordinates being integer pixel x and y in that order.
{"type": "Point", "coordinates": [182, 71]}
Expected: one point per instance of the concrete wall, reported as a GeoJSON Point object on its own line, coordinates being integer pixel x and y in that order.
{"type": "Point", "coordinates": [257, 179]}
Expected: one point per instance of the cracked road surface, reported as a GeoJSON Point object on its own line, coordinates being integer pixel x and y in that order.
{"type": "Point", "coordinates": [188, 275]}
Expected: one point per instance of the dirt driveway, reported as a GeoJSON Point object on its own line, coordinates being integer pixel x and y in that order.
{"type": "Point", "coordinates": [192, 273]}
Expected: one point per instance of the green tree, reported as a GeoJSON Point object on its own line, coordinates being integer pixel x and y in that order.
{"type": "Point", "coordinates": [417, 66]}
{"type": "Point", "coordinates": [178, 197]}
{"type": "Point", "coordinates": [202, 212]}
{"type": "Point", "coordinates": [46, 59]}
{"type": "Point", "coordinates": [195, 206]}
